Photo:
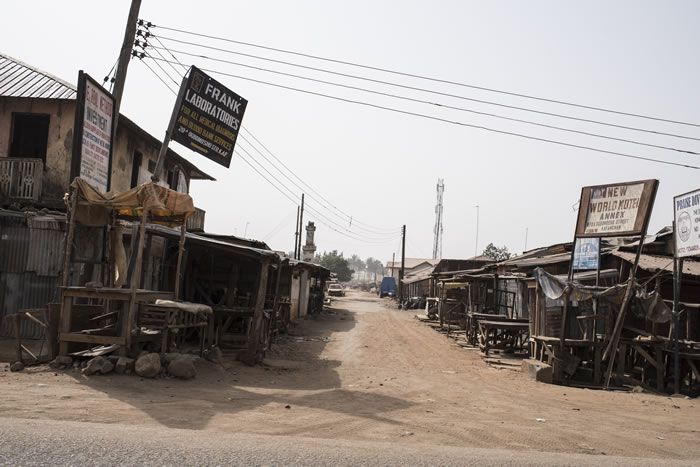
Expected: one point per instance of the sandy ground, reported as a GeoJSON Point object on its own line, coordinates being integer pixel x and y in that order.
{"type": "Point", "coordinates": [365, 371]}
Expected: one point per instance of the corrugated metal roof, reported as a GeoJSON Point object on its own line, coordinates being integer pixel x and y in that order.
{"type": "Point", "coordinates": [654, 263]}
{"type": "Point", "coordinates": [17, 79]}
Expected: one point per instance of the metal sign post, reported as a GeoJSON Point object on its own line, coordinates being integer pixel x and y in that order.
{"type": "Point", "coordinates": [168, 133]}
{"type": "Point", "coordinates": [686, 242]}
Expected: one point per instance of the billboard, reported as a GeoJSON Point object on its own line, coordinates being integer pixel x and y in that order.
{"type": "Point", "coordinates": [92, 138]}
{"type": "Point", "coordinates": [615, 210]}
{"type": "Point", "coordinates": [686, 213]}
{"type": "Point", "coordinates": [586, 254]}
{"type": "Point", "coordinates": [208, 117]}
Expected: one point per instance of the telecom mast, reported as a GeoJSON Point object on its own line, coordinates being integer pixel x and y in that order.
{"type": "Point", "coordinates": [437, 243]}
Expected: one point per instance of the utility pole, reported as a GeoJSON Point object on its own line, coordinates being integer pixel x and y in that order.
{"type": "Point", "coordinates": [437, 241]}
{"type": "Point", "coordinates": [301, 226]}
{"type": "Point", "coordinates": [403, 262]}
{"type": "Point", "coordinates": [525, 240]}
{"type": "Point", "coordinates": [296, 234]}
{"type": "Point", "coordinates": [393, 261]}
{"type": "Point", "coordinates": [476, 243]}
{"type": "Point", "coordinates": [123, 62]}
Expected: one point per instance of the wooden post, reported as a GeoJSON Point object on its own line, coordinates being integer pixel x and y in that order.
{"type": "Point", "coordinates": [254, 352]}
{"type": "Point", "coordinates": [70, 234]}
{"type": "Point", "coordinates": [678, 274]}
{"type": "Point", "coordinates": [180, 253]}
{"type": "Point", "coordinates": [275, 306]}
{"type": "Point", "coordinates": [135, 280]}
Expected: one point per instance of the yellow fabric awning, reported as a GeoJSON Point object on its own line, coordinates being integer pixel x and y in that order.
{"type": "Point", "coordinates": [164, 206]}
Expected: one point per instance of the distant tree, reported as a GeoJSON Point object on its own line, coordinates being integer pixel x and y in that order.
{"type": "Point", "coordinates": [374, 266]}
{"type": "Point", "coordinates": [356, 263]}
{"type": "Point", "coordinates": [335, 262]}
{"type": "Point", "coordinates": [499, 254]}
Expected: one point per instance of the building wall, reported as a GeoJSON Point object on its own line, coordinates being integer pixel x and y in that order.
{"type": "Point", "coordinates": [60, 141]}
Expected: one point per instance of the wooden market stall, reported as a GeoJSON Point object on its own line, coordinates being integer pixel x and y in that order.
{"type": "Point", "coordinates": [104, 310]}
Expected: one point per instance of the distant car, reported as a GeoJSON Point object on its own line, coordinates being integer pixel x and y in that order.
{"type": "Point", "coordinates": [387, 287]}
{"type": "Point", "coordinates": [336, 290]}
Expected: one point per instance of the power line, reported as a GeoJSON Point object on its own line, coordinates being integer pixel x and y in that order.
{"type": "Point", "coordinates": [158, 76]}
{"type": "Point", "coordinates": [446, 94]}
{"type": "Point", "coordinates": [453, 122]}
{"type": "Point", "coordinates": [299, 187]}
{"type": "Point", "coordinates": [237, 151]}
{"type": "Point", "coordinates": [308, 205]}
{"type": "Point", "coordinates": [344, 218]}
{"type": "Point", "coordinates": [438, 80]}
{"type": "Point", "coordinates": [369, 230]}
{"type": "Point", "coordinates": [445, 106]}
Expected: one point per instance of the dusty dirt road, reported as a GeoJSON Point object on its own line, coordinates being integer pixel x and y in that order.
{"type": "Point", "coordinates": [368, 372]}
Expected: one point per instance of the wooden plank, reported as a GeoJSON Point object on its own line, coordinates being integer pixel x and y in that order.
{"type": "Point", "coordinates": [96, 351]}
{"type": "Point", "coordinates": [646, 355]}
{"type": "Point", "coordinates": [65, 320]}
{"type": "Point", "coordinates": [31, 354]}
{"type": "Point", "coordinates": [91, 339]}
{"type": "Point", "coordinates": [253, 355]}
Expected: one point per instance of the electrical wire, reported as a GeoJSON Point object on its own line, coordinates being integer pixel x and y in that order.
{"type": "Point", "coordinates": [453, 122]}
{"type": "Point", "coordinates": [335, 226]}
{"type": "Point", "coordinates": [349, 217]}
{"type": "Point", "coordinates": [324, 220]}
{"type": "Point", "coordinates": [158, 76]}
{"type": "Point", "coordinates": [445, 106]}
{"type": "Point", "coordinates": [237, 151]}
{"type": "Point", "coordinates": [301, 188]}
{"type": "Point", "coordinates": [428, 78]}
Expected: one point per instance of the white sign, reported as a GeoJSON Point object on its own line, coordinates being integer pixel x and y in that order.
{"type": "Point", "coordinates": [586, 252]}
{"type": "Point", "coordinates": [97, 136]}
{"type": "Point", "coordinates": [613, 208]}
{"type": "Point", "coordinates": [686, 210]}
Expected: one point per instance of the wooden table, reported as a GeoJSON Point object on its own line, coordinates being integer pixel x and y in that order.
{"type": "Point", "coordinates": [128, 298]}
{"type": "Point", "coordinates": [512, 333]}
{"type": "Point", "coordinates": [223, 318]}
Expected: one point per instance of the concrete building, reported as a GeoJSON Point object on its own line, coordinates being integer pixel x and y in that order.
{"type": "Point", "coordinates": [37, 113]}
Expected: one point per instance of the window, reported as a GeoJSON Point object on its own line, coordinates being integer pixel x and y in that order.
{"type": "Point", "coordinates": [136, 168]}
{"type": "Point", "coordinates": [30, 135]}
{"type": "Point", "coordinates": [173, 178]}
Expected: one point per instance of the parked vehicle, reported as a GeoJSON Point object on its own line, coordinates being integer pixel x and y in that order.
{"type": "Point", "coordinates": [387, 287]}
{"type": "Point", "coordinates": [336, 290]}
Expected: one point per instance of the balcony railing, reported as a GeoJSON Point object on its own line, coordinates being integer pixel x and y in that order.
{"type": "Point", "coordinates": [20, 178]}
{"type": "Point", "coordinates": [196, 220]}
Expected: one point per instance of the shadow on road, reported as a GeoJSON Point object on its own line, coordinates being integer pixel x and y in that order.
{"type": "Point", "coordinates": [295, 374]}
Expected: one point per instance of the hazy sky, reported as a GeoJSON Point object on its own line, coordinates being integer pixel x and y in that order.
{"type": "Point", "coordinates": [382, 167]}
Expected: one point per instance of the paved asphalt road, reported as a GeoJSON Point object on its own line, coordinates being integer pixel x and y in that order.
{"type": "Point", "coordinates": [40, 442]}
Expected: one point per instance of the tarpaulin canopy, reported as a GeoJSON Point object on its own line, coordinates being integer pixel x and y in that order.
{"type": "Point", "coordinates": [651, 303]}
{"type": "Point", "coordinates": [163, 205]}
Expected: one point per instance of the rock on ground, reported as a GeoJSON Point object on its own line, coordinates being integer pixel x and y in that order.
{"type": "Point", "coordinates": [94, 366]}
{"type": "Point", "coordinates": [107, 367]}
{"type": "Point", "coordinates": [62, 361]}
{"type": "Point", "coordinates": [148, 365]}
{"type": "Point", "coordinates": [213, 354]}
{"type": "Point", "coordinates": [124, 365]}
{"type": "Point", "coordinates": [17, 366]}
{"type": "Point", "coordinates": [182, 367]}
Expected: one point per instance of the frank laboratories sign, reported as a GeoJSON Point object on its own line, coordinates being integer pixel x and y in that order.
{"type": "Point", "coordinates": [209, 117]}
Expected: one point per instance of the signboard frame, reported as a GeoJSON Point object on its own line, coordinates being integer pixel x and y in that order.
{"type": "Point", "coordinates": [211, 115]}
{"type": "Point", "coordinates": [676, 227]}
{"type": "Point", "coordinates": [646, 204]}
{"type": "Point", "coordinates": [78, 129]}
